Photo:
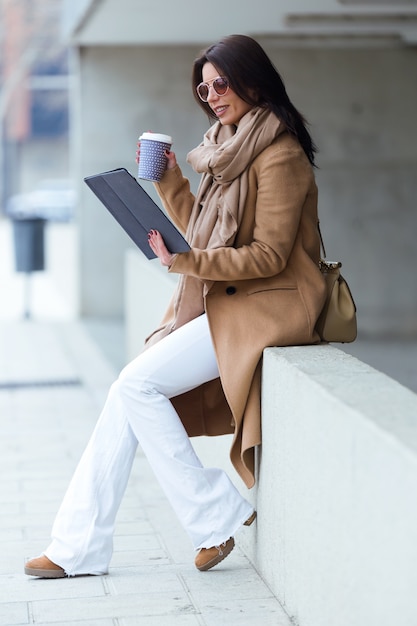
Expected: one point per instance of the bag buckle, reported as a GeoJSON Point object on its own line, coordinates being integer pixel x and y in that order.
{"type": "Point", "coordinates": [329, 265]}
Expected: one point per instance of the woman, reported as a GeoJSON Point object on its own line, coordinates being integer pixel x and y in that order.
{"type": "Point", "coordinates": [250, 280]}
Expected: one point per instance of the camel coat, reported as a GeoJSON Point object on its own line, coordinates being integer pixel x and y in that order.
{"type": "Point", "coordinates": [264, 291]}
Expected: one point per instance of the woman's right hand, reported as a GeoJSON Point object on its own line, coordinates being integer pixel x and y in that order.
{"type": "Point", "coordinates": [171, 162]}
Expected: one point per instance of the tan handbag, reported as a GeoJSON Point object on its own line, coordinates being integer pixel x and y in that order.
{"type": "Point", "coordinates": [337, 321]}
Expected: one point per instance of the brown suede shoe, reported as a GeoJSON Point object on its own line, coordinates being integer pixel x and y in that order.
{"type": "Point", "coordinates": [44, 568]}
{"type": "Point", "coordinates": [209, 557]}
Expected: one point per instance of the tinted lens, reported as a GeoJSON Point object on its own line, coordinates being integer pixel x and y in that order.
{"type": "Point", "coordinates": [220, 86]}
{"type": "Point", "coordinates": [203, 91]}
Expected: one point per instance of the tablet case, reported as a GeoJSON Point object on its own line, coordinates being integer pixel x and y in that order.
{"type": "Point", "coordinates": [135, 210]}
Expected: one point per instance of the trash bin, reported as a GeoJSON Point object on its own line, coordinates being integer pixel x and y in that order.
{"type": "Point", "coordinates": [29, 244]}
{"type": "Point", "coordinates": [28, 224]}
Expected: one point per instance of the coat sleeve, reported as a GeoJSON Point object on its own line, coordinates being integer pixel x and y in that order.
{"type": "Point", "coordinates": [283, 178]}
{"type": "Point", "coordinates": [174, 191]}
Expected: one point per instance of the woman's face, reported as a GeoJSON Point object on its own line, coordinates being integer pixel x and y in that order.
{"type": "Point", "coordinates": [230, 108]}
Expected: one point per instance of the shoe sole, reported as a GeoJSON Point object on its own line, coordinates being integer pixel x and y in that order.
{"type": "Point", "coordinates": [219, 558]}
{"type": "Point", "coordinates": [45, 573]}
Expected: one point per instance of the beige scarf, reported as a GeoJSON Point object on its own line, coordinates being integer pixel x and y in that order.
{"type": "Point", "coordinates": [223, 159]}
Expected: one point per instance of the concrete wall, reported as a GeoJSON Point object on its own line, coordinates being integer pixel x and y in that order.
{"type": "Point", "coordinates": [337, 531]}
{"type": "Point", "coordinates": [367, 178]}
{"type": "Point", "coordinates": [360, 102]}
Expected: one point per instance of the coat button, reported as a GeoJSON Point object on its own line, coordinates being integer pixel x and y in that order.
{"type": "Point", "coordinates": [230, 291]}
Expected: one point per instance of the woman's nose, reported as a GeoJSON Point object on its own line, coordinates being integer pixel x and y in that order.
{"type": "Point", "coordinates": [212, 95]}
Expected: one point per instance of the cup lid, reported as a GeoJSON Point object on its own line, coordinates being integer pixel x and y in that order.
{"type": "Point", "coordinates": [156, 137]}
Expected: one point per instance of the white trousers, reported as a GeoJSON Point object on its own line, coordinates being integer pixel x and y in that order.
{"type": "Point", "coordinates": [138, 409]}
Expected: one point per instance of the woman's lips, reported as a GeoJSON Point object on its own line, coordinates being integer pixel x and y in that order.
{"type": "Point", "coordinates": [219, 111]}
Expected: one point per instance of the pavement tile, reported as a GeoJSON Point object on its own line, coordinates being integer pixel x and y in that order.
{"type": "Point", "coordinates": [10, 534]}
{"type": "Point", "coordinates": [86, 622]}
{"type": "Point", "coordinates": [132, 558]}
{"type": "Point", "coordinates": [145, 580]}
{"type": "Point", "coordinates": [12, 613]}
{"type": "Point", "coordinates": [129, 514]}
{"type": "Point", "coordinates": [137, 527]}
{"type": "Point", "coordinates": [8, 487]}
{"type": "Point", "coordinates": [267, 612]}
{"type": "Point", "coordinates": [21, 588]}
{"type": "Point", "coordinates": [128, 605]}
{"type": "Point", "coordinates": [9, 510]}
{"type": "Point", "coordinates": [225, 582]}
{"type": "Point", "coordinates": [160, 620]}
{"type": "Point", "coordinates": [136, 542]}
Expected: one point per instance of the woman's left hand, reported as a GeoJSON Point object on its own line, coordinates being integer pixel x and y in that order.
{"type": "Point", "coordinates": [158, 246]}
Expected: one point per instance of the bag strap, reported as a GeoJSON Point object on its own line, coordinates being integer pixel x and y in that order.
{"type": "Point", "coordinates": [321, 240]}
{"type": "Point", "coordinates": [326, 265]}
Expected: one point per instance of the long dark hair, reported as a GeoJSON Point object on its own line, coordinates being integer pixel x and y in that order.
{"type": "Point", "coordinates": [254, 78]}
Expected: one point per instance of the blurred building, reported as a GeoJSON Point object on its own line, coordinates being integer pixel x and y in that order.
{"type": "Point", "coordinates": [350, 66]}
{"type": "Point", "coordinates": [34, 103]}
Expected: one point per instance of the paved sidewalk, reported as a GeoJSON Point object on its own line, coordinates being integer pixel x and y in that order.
{"type": "Point", "coordinates": [53, 381]}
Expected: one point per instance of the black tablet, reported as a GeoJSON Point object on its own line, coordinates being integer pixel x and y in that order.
{"type": "Point", "coordinates": [135, 210]}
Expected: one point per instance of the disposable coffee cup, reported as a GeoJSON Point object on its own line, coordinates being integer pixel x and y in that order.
{"type": "Point", "coordinates": [152, 160]}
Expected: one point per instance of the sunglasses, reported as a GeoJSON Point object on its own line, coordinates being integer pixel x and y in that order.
{"type": "Point", "coordinates": [220, 86]}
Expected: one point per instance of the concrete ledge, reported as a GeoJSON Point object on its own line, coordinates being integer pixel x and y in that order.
{"type": "Point", "coordinates": [337, 532]}
{"type": "Point", "coordinates": [336, 535]}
